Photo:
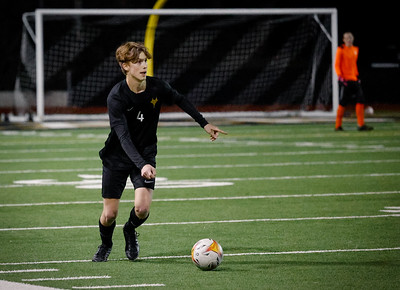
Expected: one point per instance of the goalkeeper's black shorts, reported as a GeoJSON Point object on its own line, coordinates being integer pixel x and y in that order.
{"type": "Point", "coordinates": [350, 92]}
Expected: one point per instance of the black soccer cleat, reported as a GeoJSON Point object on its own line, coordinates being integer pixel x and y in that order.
{"type": "Point", "coordinates": [339, 128]}
{"type": "Point", "coordinates": [131, 244]}
{"type": "Point", "coordinates": [365, 128]}
{"type": "Point", "coordinates": [102, 254]}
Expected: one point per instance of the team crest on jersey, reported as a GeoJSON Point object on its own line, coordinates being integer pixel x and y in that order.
{"type": "Point", "coordinates": [154, 102]}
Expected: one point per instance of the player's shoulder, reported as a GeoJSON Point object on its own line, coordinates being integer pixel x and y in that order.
{"type": "Point", "coordinates": [117, 95]}
{"type": "Point", "coordinates": [151, 80]}
{"type": "Point", "coordinates": [117, 90]}
{"type": "Point", "coordinates": [157, 83]}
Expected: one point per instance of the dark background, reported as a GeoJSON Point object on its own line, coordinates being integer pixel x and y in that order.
{"type": "Point", "coordinates": [375, 27]}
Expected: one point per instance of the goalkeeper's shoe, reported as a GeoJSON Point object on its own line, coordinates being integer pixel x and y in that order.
{"type": "Point", "coordinates": [102, 254]}
{"type": "Point", "coordinates": [131, 243]}
{"type": "Point", "coordinates": [365, 128]}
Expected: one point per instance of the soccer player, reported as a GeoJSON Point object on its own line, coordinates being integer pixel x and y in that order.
{"type": "Point", "coordinates": [349, 83]}
{"type": "Point", "coordinates": [131, 147]}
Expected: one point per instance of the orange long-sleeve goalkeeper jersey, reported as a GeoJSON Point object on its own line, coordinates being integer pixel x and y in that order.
{"type": "Point", "coordinates": [346, 62]}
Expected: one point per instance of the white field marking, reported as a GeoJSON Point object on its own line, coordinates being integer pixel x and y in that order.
{"type": "Point", "coordinates": [327, 152]}
{"type": "Point", "coordinates": [45, 262]}
{"type": "Point", "coordinates": [278, 164]}
{"type": "Point", "coordinates": [49, 228]}
{"type": "Point", "coordinates": [302, 177]}
{"type": "Point", "coordinates": [57, 143]}
{"type": "Point", "coordinates": [236, 165]}
{"type": "Point", "coordinates": [36, 133]}
{"type": "Point", "coordinates": [48, 150]}
{"type": "Point", "coordinates": [66, 278]}
{"type": "Point", "coordinates": [236, 142]}
{"type": "Point", "coordinates": [210, 222]}
{"type": "Point", "coordinates": [119, 286]}
{"type": "Point", "coordinates": [209, 198]}
{"type": "Point", "coordinates": [66, 159]}
{"type": "Point", "coordinates": [272, 220]}
{"type": "Point", "coordinates": [222, 143]}
{"type": "Point", "coordinates": [391, 209]}
{"type": "Point", "coordinates": [95, 183]}
{"type": "Point", "coordinates": [25, 171]}
{"type": "Point", "coordinates": [56, 159]}
{"type": "Point", "coordinates": [225, 254]}
{"type": "Point", "coordinates": [314, 252]}
{"type": "Point", "coordinates": [28, 271]}
{"type": "Point", "coordinates": [243, 154]}
{"type": "Point", "coordinates": [273, 196]}
{"type": "Point", "coordinates": [56, 203]}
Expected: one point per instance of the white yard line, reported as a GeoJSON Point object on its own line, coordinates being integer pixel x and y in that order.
{"type": "Point", "coordinates": [213, 198]}
{"type": "Point", "coordinates": [297, 252]}
{"type": "Point", "coordinates": [25, 171]}
{"type": "Point", "coordinates": [28, 271]}
{"type": "Point", "coordinates": [239, 154]}
{"type": "Point", "coordinates": [322, 176]}
{"type": "Point", "coordinates": [315, 252]}
{"type": "Point", "coordinates": [189, 143]}
{"type": "Point", "coordinates": [391, 209]}
{"type": "Point", "coordinates": [249, 165]}
{"type": "Point", "coordinates": [66, 278]}
{"type": "Point", "coordinates": [211, 222]}
{"type": "Point", "coordinates": [163, 183]}
{"type": "Point", "coordinates": [235, 165]}
{"type": "Point", "coordinates": [120, 286]}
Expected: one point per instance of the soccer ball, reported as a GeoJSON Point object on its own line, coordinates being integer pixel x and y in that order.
{"type": "Point", "coordinates": [369, 110]}
{"type": "Point", "coordinates": [207, 254]}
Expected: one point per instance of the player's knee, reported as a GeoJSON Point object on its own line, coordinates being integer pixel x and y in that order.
{"type": "Point", "coordinates": [109, 216]}
{"type": "Point", "coordinates": [142, 211]}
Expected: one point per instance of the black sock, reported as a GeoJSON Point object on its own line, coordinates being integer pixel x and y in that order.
{"type": "Point", "coordinates": [106, 234]}
{"type": "Point", "coordinates": [134, 221]}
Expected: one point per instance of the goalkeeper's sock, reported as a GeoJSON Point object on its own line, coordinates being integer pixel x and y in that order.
{"type": "Point", "coordinates": [360, 114]}
{"type": "Point", "coordinates": [106, 234]}
{"type": "Point", "coordinates": [339, 116]}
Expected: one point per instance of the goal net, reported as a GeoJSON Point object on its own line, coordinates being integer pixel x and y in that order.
{"type": "Point", "coordinates": [221, 59]}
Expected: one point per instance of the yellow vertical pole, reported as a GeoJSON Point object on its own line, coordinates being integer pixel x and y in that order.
{"type": "Point", "coordinates": [150, 34]}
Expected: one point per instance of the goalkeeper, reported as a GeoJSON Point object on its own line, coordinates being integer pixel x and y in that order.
{"type": "Point", "coordinates": [349, 83]}
{"type": "Point", "coordinates": [131, 147]}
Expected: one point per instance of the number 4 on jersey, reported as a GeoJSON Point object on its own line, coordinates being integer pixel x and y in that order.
{"type": "Point", "coordinates": [140, 116]}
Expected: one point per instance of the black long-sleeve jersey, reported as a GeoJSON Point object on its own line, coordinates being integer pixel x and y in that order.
{"type": "Point", "coordinates": [134, 121]}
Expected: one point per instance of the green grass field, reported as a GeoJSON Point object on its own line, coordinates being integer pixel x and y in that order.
{"type": "Point", "coordinates": [293, 206]}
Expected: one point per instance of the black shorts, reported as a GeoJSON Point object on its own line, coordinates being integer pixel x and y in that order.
{"type": "Point", "coordinates": [350, 93]}
{"type": "Point", "coordinates": [114, 181]}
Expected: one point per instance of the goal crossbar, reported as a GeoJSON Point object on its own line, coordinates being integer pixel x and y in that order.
{"type": "Point", "coordinates": [209, 11]}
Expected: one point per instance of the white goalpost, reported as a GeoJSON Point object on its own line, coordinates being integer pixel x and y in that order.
{"type": "Point", "coordinates": [327, 29]}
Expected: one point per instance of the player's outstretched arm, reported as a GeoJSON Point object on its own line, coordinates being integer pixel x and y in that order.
{"type": "Point", "coordinates": [213, 131]}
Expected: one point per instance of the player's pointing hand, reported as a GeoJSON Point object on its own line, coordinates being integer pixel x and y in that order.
{"type": "Point", "coordinates": [213, 131]}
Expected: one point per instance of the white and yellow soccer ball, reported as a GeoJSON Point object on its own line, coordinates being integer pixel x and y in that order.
{"type": "Point", "coordinates": [207, 254]}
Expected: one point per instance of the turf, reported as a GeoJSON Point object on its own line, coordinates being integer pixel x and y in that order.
{"type": "Point", "coordinates": [293, 206]}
